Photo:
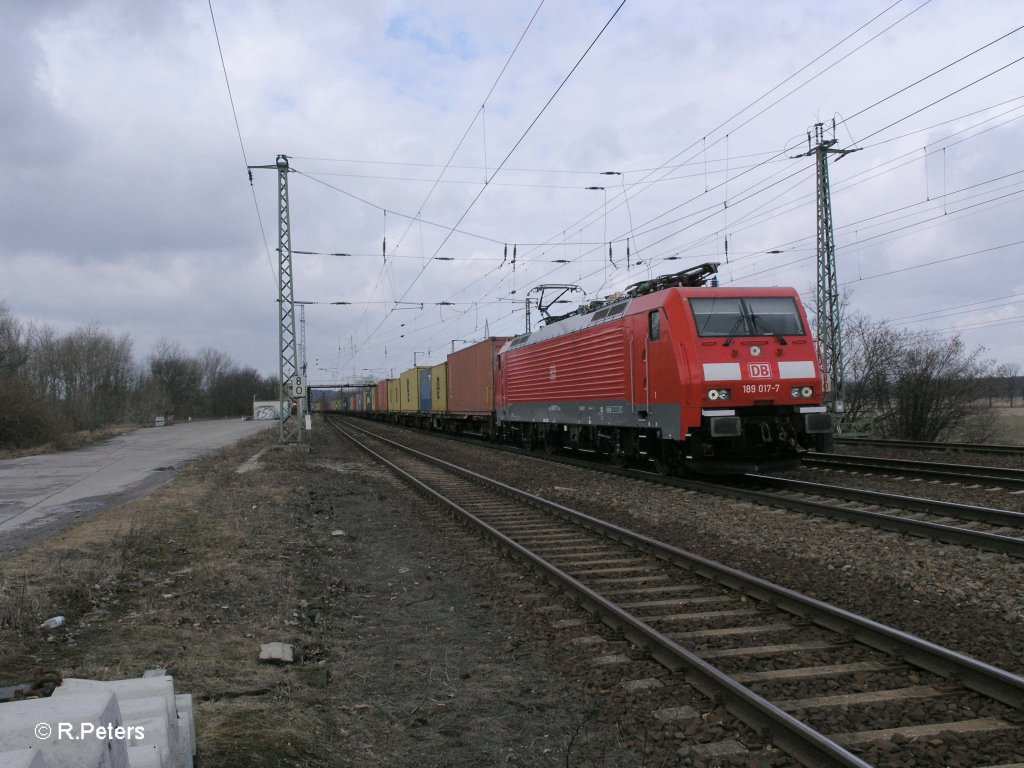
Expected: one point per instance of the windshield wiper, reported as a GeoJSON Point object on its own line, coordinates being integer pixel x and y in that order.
{"type": "Point", "coordinates": [754, 319]}
{"type": "Point", "coordinates": [733, 331]}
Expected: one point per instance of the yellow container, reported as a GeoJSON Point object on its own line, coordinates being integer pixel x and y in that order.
{"type": "Point", "coordinates": [439, 388]}
{"type": "Point", "coordinates": [394, 395]}
{"type": "Point", "coordinates": [415, 394]}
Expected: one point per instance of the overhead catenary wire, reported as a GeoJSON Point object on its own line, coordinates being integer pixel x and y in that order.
{"type": "Point", "coordinates": [735, 219]}
{"type": "Point", "coordinates": [943, 98]}
{"type": "Point", "coordinates": [727, 122]}
{"type": "Point", "coordinates": [508, 156]}
{"type": "Point", "coordinates": [862, 27]}
{"type": "Point", "coordinates": [241, 142]}
{"type": "Point", "coordinates": [927, 77]}
{"type": "Point", "coordinates": [383, 272]}
{"type": "Point", "coordinates": [521, 138]}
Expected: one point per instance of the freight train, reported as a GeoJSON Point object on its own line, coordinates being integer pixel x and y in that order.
{"type": "Point", "coordinates": [673, 372]}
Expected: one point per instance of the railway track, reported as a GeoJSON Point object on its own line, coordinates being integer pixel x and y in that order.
{"type": "Point", "coordinates": [969, 474]}
{"type": "Point", "coordinates": [822, 684]}
{"type": "Point", "coordinates": [985, 528]}
{"type": "Point", "coordinates": [921, 445]}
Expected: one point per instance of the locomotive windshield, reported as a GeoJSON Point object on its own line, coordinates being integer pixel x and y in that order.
{"type": "Point", "coordinates": [747, 316]}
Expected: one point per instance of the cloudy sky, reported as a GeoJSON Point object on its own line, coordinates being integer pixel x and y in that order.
{"type": "Point", "coordinates": [445, 155]}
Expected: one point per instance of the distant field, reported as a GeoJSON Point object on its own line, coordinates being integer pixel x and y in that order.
{"type": "Point", "coordinates": [1009, 424]}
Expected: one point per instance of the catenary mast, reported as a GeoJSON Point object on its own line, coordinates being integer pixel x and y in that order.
{"type": "Point", "coordinates": [828, 309]}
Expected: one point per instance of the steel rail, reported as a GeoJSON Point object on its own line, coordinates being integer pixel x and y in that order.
{"type": "Point", "coordinates": [988, 542]}
{"type": "Point", "coordinates": [799, 740]}
{"type": "Point", "coordinates": [951, 534]}
{"type": "Point", "coordinates": [923, 445]}
{"type": "Point", "coordinates": [1003, 517]}
{"type": "Point", "coordinates": [964, 472]}
{"type": "Point", "coordinates": [976, 675]}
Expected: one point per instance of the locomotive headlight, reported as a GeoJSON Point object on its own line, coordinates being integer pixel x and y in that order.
{"type": "Point", "coordinates": [719, 394]}
{"type": "Point", "coordinates": [712, 394]}
{"type": "Point", "coordinates": [794, 392]}
{"type": "Point", "coordinates": [807, 391]}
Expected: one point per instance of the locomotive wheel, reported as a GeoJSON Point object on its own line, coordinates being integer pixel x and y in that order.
{"type": "Point", "coordinates": [661, 466]}
{"type": "Point", "coordinates": [620, 459]}
{"type": "Point", "coordinates": [552, 448]}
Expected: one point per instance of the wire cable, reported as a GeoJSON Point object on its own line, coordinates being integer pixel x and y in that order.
{"type": "Point", "coordinates": [238, 130]}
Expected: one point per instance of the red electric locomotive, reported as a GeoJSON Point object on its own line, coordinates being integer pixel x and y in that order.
{"type": "Point", "coordinates": [711, 379]}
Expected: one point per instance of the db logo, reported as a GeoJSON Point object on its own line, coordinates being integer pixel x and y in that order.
{"type": "Point", "coordinates": [760, 370]}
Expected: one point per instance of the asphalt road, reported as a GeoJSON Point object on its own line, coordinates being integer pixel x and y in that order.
{"type": "Point", "coordinates": [41, 494]}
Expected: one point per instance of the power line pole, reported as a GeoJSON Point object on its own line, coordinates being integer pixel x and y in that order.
{"type": "Point", "coordinates": [292, 380]}
{"type": "Point", "coordinates": [829, 311]}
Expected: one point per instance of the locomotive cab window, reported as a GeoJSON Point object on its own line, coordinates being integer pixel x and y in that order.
{"type": "Point", "coordinates": [747, 316]}
{"type": "Point", "coordinates": [718, 316]}
{"type": "Point", "coordinates": [774, 315]}
{"type": "Point", "coordinates": [654, 325]}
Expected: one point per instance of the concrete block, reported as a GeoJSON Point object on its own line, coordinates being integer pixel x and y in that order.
{"type": "Point", "coordinates": [76, 726]}
{"type": "Point", "coordinates": [147, 757]}
{"type": "Point", "coordinates": [276, 653]}
{"type": "Point", "coordinates": [23, 758]}
{"type": "Point", "coordinates": [147, 703]}
{"type": "Point", "coordinates": [74, 730]}
{"type": "Point", "coordinates": [154, 734]}
{"type": "Point", "coordinates": [186, 729]}
{"type": "Point", "coordinates": [133, 694]}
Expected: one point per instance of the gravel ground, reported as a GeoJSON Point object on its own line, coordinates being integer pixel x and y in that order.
{"type": "Point", "coordinates": [969, 601]}
{"type": "Point", "coordinates": [416, 646]}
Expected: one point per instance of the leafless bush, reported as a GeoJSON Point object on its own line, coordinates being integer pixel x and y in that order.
{"type": "Point", "coordinates": [912, 385]}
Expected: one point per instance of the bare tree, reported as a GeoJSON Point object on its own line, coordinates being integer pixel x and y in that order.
{"type": "Point", "coordinates": [913, 386]}
{"type": "Point", "coordinates": [176, 379]}
{"type": "Point", "coordinates": [234, 390]}
{"type": "Point", "coordinates": [12, 349]}
{"type": "Point", "coordinates": [1010, 374]}
{"type": "Point", "coordinates": [24, 419]}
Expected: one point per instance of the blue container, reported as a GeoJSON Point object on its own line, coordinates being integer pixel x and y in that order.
{"type": "Point", "coordinates": [425, 390]}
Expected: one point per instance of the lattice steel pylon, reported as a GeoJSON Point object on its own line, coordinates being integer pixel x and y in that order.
{"type": "Point", "coordinates": [290, 428]}
{"type": "Point", "coordinates": [292, 381]}
{"type": "Point", "coordinates": [829, 310]}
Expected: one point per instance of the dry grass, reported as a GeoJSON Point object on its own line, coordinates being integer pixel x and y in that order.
{"type": "Point", "coordinates": [188, 579]}
{"type": "Point", "coordinates": [18, 606]}
{"type": "Point", "coordinates": [1009, 425]}
{"type": "Point", "coordinates": [396, 663]}
{"type": "Point", "coordinates": [69, 441]}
